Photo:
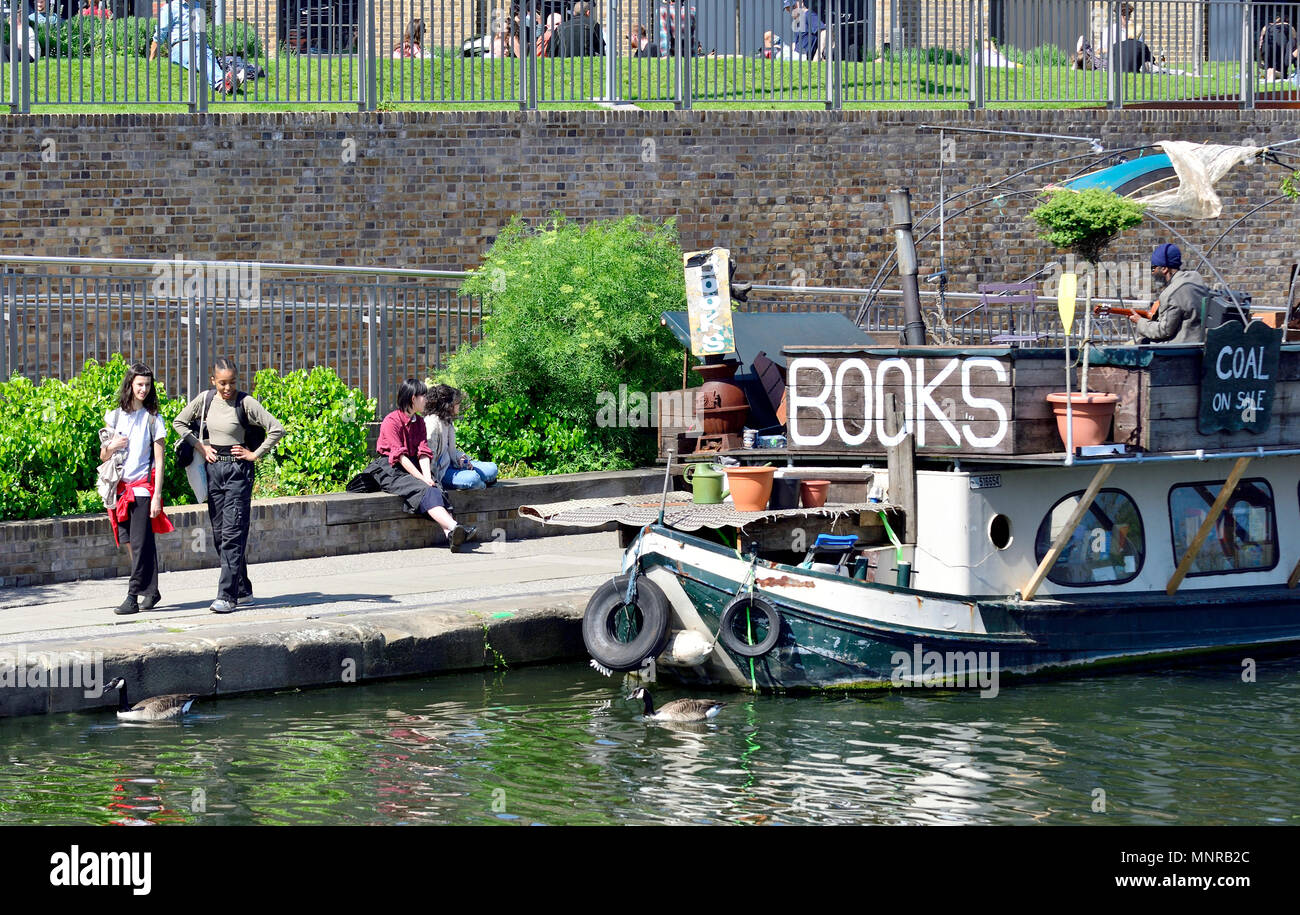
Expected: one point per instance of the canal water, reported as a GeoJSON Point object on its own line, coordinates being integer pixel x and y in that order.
{"type": "Point", "coordinates": [557, 745]}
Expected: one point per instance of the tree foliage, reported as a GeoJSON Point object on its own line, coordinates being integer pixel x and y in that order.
{"type": "Point", "coordinates": [1085, 222]}
{"type": "Point", "coordinates": [570, 312]}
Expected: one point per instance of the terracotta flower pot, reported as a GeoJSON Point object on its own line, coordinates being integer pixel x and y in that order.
{"type": "Point", "coordinates": [813, 492]}
{"type": "Point", "coordinates": [1092, 413]}
{"type": "Point", "coordinates": [751, 487]}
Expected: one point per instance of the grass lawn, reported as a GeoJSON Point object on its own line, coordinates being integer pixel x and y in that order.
{"type": "Point", "coordinates": [121, 84]}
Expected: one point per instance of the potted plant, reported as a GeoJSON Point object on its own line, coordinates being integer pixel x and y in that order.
{"type": "Point", "coordinates": [1084, 222]}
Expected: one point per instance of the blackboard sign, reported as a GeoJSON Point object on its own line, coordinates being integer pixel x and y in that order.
{"type": "Point", "coordinates": [1238, 377]}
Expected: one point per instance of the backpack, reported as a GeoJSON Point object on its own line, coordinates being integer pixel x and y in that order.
{"type": "Point", "coordinates": [254, 435]}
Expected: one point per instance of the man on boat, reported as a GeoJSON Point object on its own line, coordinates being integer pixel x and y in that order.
{"type": "Point", "coordinates": [1176, 317]}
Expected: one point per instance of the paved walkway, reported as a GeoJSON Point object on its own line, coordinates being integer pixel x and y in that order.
{"type": "Point", "coordinates": [398, 613]}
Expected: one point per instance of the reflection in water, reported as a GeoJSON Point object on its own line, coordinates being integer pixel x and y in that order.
{"type": "Point", "coordinates": [558, 745]}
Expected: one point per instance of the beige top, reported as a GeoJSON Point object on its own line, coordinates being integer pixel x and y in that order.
{"type": "Point", "coordinates": [222, 426]}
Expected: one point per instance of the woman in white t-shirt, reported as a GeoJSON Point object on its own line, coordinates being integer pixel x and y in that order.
{"type": "Point", "coordinates": [139, 433]}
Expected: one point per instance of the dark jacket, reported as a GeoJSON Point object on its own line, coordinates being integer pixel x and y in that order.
{"type": "Point", "coordinates": [578, 37]}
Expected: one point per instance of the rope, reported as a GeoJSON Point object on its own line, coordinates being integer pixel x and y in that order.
{"type": "Point", "coordinates": [893, 538]}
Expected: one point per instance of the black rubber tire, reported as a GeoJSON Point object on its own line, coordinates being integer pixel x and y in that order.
{"type": "Point", "coordinates": [598, 624]}
{"type": "Point", "coordinates": [737, 645]}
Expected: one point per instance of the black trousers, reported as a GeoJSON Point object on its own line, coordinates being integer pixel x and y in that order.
{"type": "Point", "coordinates": [230, 496]}
{"type": "Point", "coordinates": [144, 549]}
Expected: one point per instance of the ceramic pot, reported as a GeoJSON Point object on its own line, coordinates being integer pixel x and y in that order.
{"type": "Point", "coordinates": [813, 492]}
{"type": "Point", "coordinates": [1092, 413]}
{"type": "Point", "coordinates": [721, 405]}
{"type": "Point", "coordinates": [751, 487]}
{"type": "Point", "coordinates": [785, 494]}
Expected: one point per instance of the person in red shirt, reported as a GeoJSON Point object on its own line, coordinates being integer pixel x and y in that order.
{"type": "Point", "coordinates": [92, 8]}
{"type": "Point", "coordinates": [403, 467]}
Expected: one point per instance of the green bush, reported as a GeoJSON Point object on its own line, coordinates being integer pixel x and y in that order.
{"type": "Point", "coordinates": [131, 36]}
{"type": "Point", "coordinates": [49, 438]}
{"type": "Point", "coordinates": [325, 433]}
{"type": "Point", "coordinates": [1085, 222]}
{"type": "Point", "coordinates": [570, 312]}
{"type": "Point", "coordinates": [49, 441]}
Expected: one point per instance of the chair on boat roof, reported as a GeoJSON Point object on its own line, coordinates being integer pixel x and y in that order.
{"type": "Point", "coordinates": [1007, 313]}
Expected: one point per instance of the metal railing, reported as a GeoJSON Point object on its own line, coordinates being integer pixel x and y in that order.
{"type": "Point", "coordinates": [373, 326]}
{"type": "Point", "coordinates": [525, 53]}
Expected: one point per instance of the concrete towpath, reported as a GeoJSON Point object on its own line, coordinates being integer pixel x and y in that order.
{"type": "Point", "coordinates": [313, 622]}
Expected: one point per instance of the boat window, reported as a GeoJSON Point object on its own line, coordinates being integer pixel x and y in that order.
{"type": "Point", "coordinates": [1244, 539]}
{"type": "Point", "coordinates": [1000, 531]}
{"type": "Point", "coordinates": [1108, 547]}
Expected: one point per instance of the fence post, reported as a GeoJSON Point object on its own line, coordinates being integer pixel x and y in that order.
{"type": "Point", "coordinates": [975, 22]}
{"type": "Point", "coordinates": [192, 356]}
{"type": "Point", "coordinates": [613, 53]}
{"type": "Point", "coordinates": [528, 62]}
{"type": "Point", "coordinates": [683, 52]}
{"type": "Point", "coordinates": [367, 60]}
{"type": "Point", "coordinates": [375, 369]}
{"type": "Point", "coordinates": [1114, 78]}
{"type": "Point", "coordinates": [19, 64]}
{"type": "Point", "coordinates": [6, 323]}
{"type": "Point", "coordinates": [1247, 58]}
{"type": "Point", "coordinates": [197, 72]}
{"type": "Point", "coordinates": [834, 68]}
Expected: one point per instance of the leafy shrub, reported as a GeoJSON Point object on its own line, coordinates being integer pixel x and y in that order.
{"type": "Point", "coordinates": [131, 36]}
{"type": "Point", "coordinates": [570, 312]}
{"type": "Point", "coordinates": [1045, 55]}
{"type": "Point", "coordinates": [49, 441]}
{"type": "Point", "coordinates": [325, 434]}
{"type": "Point", "coordinates": [1085, 222]}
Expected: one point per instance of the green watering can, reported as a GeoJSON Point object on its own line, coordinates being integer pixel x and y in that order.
{"type": "Point", "coordinates": [706, 483]}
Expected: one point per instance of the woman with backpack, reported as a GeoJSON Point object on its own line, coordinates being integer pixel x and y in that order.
{"type": "Point", "coordinates": [134, 430]}
{"type": "Point", "coordinates": [229, 431]}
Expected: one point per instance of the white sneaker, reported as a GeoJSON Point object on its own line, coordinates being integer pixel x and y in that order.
{"type": "Point", "coordinates": [222, 606]}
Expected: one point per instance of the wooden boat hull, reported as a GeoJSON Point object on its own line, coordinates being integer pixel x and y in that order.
{"type": "Point", "coordinates": [837, 633]}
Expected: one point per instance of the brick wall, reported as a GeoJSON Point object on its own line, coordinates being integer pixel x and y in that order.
{"type": "Point", "coordinates": [81, 547]}
{"type": "Point", "coordinates": [786, 190]}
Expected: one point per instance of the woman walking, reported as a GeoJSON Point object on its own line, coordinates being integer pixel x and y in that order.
{"type": "Point", "coordinates": [138, 433]}
{"type": "Point", "coordinates": [452, 467]}
{"type": "Point", "coordinates": [230, 431]}
{"type": "Point", "coordinates": [403, 467]}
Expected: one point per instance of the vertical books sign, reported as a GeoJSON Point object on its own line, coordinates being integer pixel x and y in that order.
{"type": "Point", "coordinates": [708, 302]}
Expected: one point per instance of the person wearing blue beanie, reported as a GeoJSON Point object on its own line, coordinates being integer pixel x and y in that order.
{"type": "Point", "coordinates": [1176, 317]}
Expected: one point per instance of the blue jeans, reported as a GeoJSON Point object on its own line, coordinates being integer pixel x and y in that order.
{"type": "Point", "coordinates": [484, 474]}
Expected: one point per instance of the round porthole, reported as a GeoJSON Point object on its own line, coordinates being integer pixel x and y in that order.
{"type": "Point", "coordinates": [1000, 531]}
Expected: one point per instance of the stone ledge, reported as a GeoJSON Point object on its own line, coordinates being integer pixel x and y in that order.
{"type": "Point", "coordinates": [304, 527]}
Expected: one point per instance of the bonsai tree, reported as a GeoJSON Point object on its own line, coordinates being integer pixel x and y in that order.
{"type": "Point", "coordinates": [1085, 222]}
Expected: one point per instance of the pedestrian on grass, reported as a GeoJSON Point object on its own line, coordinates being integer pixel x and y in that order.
{"type": "Point", "coordinates": [236, 432]}
{"type": "Point", "coordinates": [451, 466]}
{"type": "Point", "coordinates": [138, 433]}
{"type": "Point", "coordinates": [404, 467]}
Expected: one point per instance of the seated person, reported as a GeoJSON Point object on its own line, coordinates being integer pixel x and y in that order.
{"type": "Point", "coordinates": [640, 43]}
{"type": "Point", "coordinates": [675, 17]}
{"type": "Point", "coordinates": [174, 32]}
{"type": "Point", "coordinates": [1177, 317]}
{"type": "Point", "coordinates": [546, 44]}
{"type": "Point", "coordinates": [452, 467]}
{"type": "Point", "coordinates": [1276, 48]}
{"type": "Point", "coordinates": [810, 35]}
{"type": "Point", "coordinates": [43, 15]}
{"type": "Point", "coordinates": [403, 467]}
{"type": "Point", "coordinates": [580, 36]}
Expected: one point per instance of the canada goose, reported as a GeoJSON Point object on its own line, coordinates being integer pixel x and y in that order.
{"type": "Point", "coordinates": [678, 709]}
{"type": "Point", "coordinates": [156, 708]}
